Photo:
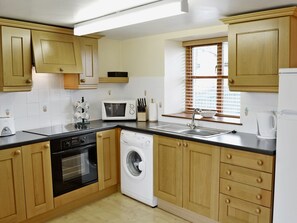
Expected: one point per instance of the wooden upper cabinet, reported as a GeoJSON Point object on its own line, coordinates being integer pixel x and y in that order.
{"type": "Point", "coordinates": [12, 205]}
{"type": "Point", "coordinates": [88, 79]}
{"type": "Point", "coordinates": [16, 62]}
{"type": "Point", "coordinates": [168, 169]}
{"type": "Point", "coordinates": [56, 53]}
{"type": "Point", "coordinates": [107, 158]}
{"type": "Point", "coordinates": [201, 165]}
{"type": "Point", "coordinates": [259, 44]}
{"type": "Point", "coordinates": [38, 178]}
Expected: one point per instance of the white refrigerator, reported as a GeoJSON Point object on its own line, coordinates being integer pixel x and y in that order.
{"type": "Point", "coordinates": [285, 196]}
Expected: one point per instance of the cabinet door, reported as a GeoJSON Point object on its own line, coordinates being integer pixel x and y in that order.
{"type": "Point", "coordinates": [12, 205]}
{"type": "Point", "coordinates": [201, 178]}
{"type": "Point", "coordinates": [56, 53]}
{"type": "Point", "coordinates": [257, 50]}
{"type": "Point", "coordinates": [16, 56]}
{"type": "Point", "coordinates": [233, 210]}
{"type": "Point", "coordinates": [107, 159]}
{"type": "Point", "coordinates": [168, 169]}
{"type": "Point", "coordinates": [37, 178]}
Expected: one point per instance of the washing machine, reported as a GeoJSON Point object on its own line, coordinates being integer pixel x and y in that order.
{"type": "Point", "coordinates": [137, 166]}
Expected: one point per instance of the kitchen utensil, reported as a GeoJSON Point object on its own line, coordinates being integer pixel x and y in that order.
{"type": "Point", "coordinates": [207, 113]}
{"type": "Point", "coordinates": [7, 126]}
{"type": "Point", "coordinates": [266, 125]}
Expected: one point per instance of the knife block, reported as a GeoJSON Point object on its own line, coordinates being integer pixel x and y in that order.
{"type": "Point", "coordinates": [142, 116]}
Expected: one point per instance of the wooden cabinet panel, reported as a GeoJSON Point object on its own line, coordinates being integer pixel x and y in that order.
{"type": "Point", "coordinates": [12, 205]}
{"type": "Point", "coordinates": [16, 59]}
{"type": "Point", "coordinates": [168, 169]}
{"type": "Point", "coordinates": [246, 192]}
{"type": "Point", "coordinates": [248, 159]}
{"type": "Point", "coordinates": [88, 79]}
{"type": "Point", "coordinates": [38, 178]}
{"type": "Point", "coordinates": [56, 53]}
{"type": "Point", "coordinates": [247, 176]}
{"type": "Point", "coordinates": [107, 159]}
{"type": "Point", "coordinates": [201, 178]}
{"type": "Point", "coordinates": [233, 210]}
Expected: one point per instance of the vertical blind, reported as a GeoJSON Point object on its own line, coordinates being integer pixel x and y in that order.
{"type": "Point", "coordinates": [207, 78]}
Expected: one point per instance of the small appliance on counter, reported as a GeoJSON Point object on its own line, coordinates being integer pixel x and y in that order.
{"type": "Point", "coordinates": [117, 74]}
{"type": "Point", "coordinates": [266, 125]}
{"type": "Point", "coordinates": [118, 110]}
{"type": "Point", "coordinates": [81, 115]}
{"type": "Point", "coordinates": [7, 127]}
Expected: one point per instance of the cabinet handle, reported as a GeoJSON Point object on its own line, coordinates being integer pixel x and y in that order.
{"type": "Point", "coordinates": [17, 152]}
{"type": "Point", "coordinates": [83, 80]}
{"type": "Point", "coordinates": [99, 135]}
{"type": "Point", "coordinates": [28, 81]}
{"type": "Point", "coordinates": [185, 144]}
{"type": "Point", "coordinates": [228, 172]}
{"type": "Point", "coordinates": [61, 69]}
{"type": "Point", "coordinates": [229, 156]}
{"type": "Point", "coordinates": [179, 143]}
{"type": "Point", "coordinates": [259, 180]}
{"type": "Point", "coordinates": [46, 146]}
{"type": "Point", "coordinates": [259, 196]}
{"type": "Point", "coordinates": [231, 81]}
{"type": "Point", "coordinates": [228, 188]}
{"type": "Point", "coordinates": [260, 162]}
{"type": "Point", "coordinates": [258, 210]}
{"type": "Point", "coordinates": [227, 201]}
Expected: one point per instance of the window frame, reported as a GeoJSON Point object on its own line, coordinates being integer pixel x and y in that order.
{"type": "Point", "coordinates": [189, 45]}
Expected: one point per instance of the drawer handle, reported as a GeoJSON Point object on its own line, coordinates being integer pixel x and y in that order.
{"type": "Point", "coordinates": [259, 196]}
{"type": "Point", "coordinates": [83, 80]}
{"type": "Point", "coordinates": [61, 69]}
{"type": "Point", "coordinates": [228, 172]}
{"type": "Point", "coordinates": [231, 81]}
{"type": "Point", "coordinates": [17, 152]}
{"type": "Point", "coordinates": [46, 146]}
{"type": "Point", "coordinates": [228, 188]}
{"type": "Point", "coordinates": [259, 180]}
{"type": "Point", "coordinates": [260, 162]}
{"type": "Point", "coordinates": [99, 135]}
{"type": "Point", "coordinates": [179, 144]}
{"type": "Point", "coordinates": [229, 156]}
{"type": "Point", "coordinates": [258, 210]}
{"type": "Point", "coordinates": [28, 81]}
{"type": "Point", "coordinates": [227, 201]}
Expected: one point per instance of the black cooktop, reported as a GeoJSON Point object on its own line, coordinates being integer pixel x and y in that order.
{"type": "Point", "coordinates": [59, 129]}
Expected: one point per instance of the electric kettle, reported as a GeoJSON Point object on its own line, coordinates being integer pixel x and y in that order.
{"type": "Point", "coordinates": [266, 125]}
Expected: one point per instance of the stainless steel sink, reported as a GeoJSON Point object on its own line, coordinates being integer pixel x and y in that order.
{"type": "Point", "coordinates": [199, 132]}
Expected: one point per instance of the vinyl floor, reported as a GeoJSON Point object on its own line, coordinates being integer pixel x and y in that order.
{"type": "Point", "coordinates": [117, 208]}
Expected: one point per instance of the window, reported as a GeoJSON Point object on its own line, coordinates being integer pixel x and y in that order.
{"type": "Point", "coordinates": [207, 78]}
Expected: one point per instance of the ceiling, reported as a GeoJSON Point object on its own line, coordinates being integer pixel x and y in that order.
{"type": "Point", "coordinates": [68, 12]}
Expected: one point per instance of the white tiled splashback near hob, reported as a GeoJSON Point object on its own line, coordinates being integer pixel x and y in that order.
{"type": "Point", "coordinates": [50, 104]}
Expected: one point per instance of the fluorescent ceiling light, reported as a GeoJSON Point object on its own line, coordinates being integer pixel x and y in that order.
{"type": "Point", "coordinates": [149, 12]}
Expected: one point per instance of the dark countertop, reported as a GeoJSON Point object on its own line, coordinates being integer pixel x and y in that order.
{"type": "Point", "coordinates": [241, 141]}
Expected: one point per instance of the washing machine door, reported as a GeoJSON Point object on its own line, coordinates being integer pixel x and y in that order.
{"type": "Point", "coordinates": [134, 163]}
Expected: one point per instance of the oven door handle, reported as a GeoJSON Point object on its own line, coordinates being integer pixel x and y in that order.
{"type": "Point", "coordinates": [74, 150]}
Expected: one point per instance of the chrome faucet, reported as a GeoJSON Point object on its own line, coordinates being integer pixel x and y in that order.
{"type": "Point", "coordinates": [192, 124]}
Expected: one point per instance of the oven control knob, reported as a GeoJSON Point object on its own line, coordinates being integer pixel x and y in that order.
{"type": "Point", "coordinates": [83, 140]}
{"type": "Point", "coordinates": [67, 144]}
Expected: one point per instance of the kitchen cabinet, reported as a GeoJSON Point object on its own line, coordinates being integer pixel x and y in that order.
{"type": "Point", "coordinates": [187, 174]}
{"type": "Point", "coordinates": [26, 185]}
{"type": "Point", "coordinates": [88, 79]}
{"type": "Point", "coordinates": [259, 44]}
{"type": "Point", "coordinates": [56, 52]}
{"type": "Point", "coordinates": [16, 62]}
{"type": "Point", "coordinates": [107, 158]}
{"type": "Point", "coordinates": [246, 187]}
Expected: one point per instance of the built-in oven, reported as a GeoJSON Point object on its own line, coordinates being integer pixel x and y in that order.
{"type": "Point", "coordinates": [74, 162]}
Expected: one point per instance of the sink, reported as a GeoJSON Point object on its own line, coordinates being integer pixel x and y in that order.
{"type": "Point", "coordinates": [181, 129]}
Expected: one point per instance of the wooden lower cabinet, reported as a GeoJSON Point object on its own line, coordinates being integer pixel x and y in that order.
{"type": "Point", "coordinates": [26, 182]}
{"type": "Point", "coordinates": [187, 174]}
{"type": "Point", "coordinates": [168, 169]}
{"type": "Point", "coordinates": [107, 158]}
{"type": "Point", "coordinates": [233, 210]}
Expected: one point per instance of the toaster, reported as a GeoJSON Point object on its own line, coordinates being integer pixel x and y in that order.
{"type": "Point", "coordinates": [7, 127]}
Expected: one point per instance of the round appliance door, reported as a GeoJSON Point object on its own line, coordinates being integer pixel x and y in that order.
{"type": "Point", "coordinates": [134, 163]}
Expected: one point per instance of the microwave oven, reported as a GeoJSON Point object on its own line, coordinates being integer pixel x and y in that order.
{"type": "Point", "coordinates": [119, 110]}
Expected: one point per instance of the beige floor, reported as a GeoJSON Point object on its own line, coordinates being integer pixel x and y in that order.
{"type": "Point", "coordinates": [117, 208]}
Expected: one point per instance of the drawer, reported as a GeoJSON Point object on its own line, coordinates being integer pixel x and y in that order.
{"type": "Point", "coordinates": [248, 159]}
{"type": "Point", "coordinates": [233, 210]}
{"type": "Point", "coordinates": [246, 176]}
{"type": "Point", "coordinates": [246, 192]}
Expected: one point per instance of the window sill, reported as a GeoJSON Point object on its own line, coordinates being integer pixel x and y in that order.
{"type": "Point", "coordinates": [218, 119]}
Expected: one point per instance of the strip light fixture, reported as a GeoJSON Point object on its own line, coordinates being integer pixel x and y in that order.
{"type": "Point", "coordinates": [136, 15]}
